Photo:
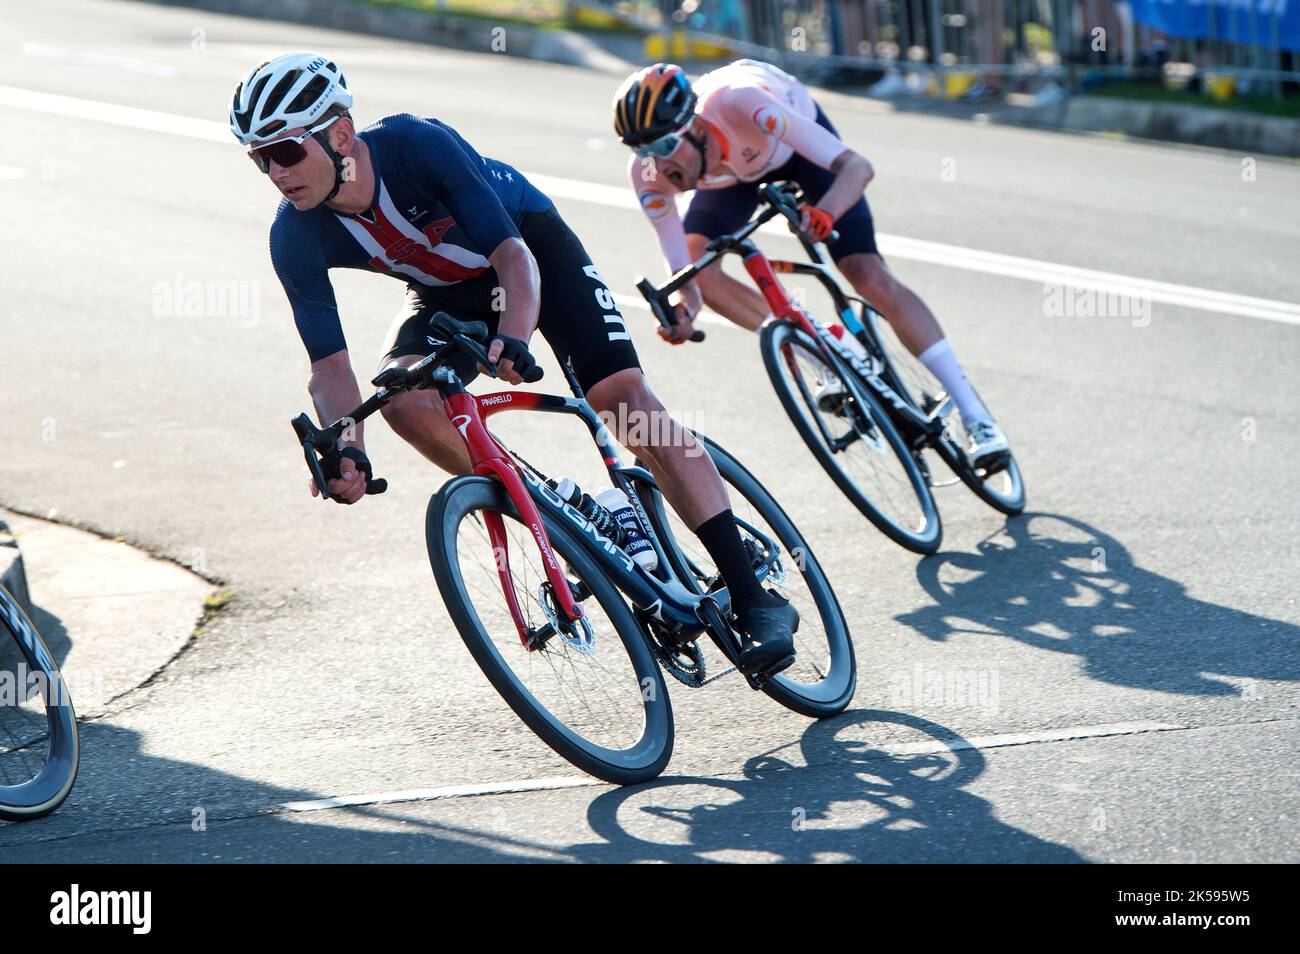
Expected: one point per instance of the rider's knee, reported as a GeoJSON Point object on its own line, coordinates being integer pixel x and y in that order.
{"type": "Point", "coordinates": [710, 283]}
{"type": "Point", "coordinates": [870, 276]}
{"type": "Point", "coordinates": [408, 413]}
{"type": "Point", "coordinates": [621, 391]}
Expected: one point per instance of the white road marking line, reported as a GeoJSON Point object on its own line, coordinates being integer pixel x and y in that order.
{"type": "Point", "coordinates": [554, 784]}
{"type": "Point", "coordinates": [131, 116]}
{"type": "Point", "coordinates": [88, 58]}
{"type": "Point", "coordinates": [935, 253]}
{"type": "Point", "coordinates": [1168, 293]}
{"type": "Point", "coordinates": [449, 791]}
{"type": "Point", "coordinates": [12, 172]}
{"type": "Point", "coordinates": [1029, 738]}
{"type": "Point", "coordinates": [989, 263]}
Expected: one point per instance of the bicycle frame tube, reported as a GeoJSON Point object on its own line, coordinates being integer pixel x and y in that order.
{"type": "Point", "coordinates": [489, 458]}
{"type": "Point", "coordinates": [763, 273]}
{"type": "Point", "coordinates": [669, 601]}
{"type": "Point", "coordinates": [822, 272]}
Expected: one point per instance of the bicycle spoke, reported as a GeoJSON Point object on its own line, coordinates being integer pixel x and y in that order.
{"type": "Point", "coordinates": [596, 693]}
{"type": "Point", "coordinates": [866, 460]}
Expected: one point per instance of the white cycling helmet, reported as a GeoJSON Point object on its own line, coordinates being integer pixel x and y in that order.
{"type": "Point", "coordinates": [291, 90]}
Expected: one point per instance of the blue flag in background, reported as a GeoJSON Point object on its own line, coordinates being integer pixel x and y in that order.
{"type": "Point", "coordinates": [1192, 19]}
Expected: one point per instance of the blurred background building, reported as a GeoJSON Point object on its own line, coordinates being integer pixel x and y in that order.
{"type": "Point", "coordinates": [977, 47]}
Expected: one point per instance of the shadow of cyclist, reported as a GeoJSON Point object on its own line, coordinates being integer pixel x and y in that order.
{"type": "Point", "coordinates": [1056, 583]}
{"type": "Point", "coordinates": [875, 786]}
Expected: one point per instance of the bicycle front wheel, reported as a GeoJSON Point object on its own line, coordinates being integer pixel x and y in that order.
{"type": "Point", "coordinates": [853, 438]}
{"type": "Point", "coordinates": [592, 692]}
{"type": "Point", "coordinates": [824, 676]}
{"type": "Point", "coordinates": [38, 727]}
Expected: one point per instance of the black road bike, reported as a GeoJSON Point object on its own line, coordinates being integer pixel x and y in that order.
{"type": "Point", "coordinates": [38, 727]}
{"type": "Point", "coordinates": [572, 631]}
{"type": "Point", "coordinates": [872, 421]}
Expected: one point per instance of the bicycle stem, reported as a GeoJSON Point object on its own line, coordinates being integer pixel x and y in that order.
{"type": "Point", "coordinates": [779, 203]}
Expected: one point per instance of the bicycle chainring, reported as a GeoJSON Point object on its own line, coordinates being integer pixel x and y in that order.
{"type": "Point", "coordinates": [685, 663]}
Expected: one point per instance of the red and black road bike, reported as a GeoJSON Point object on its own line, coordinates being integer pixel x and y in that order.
{"type": "Point", "coordinates": [572, 631]}
{"type": "Point", "coordinates": [871, 415]}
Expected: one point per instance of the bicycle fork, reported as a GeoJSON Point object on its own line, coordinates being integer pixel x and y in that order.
{"type": "Point", "coordinates": [491, 460]}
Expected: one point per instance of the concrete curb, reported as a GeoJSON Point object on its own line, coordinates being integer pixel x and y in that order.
{"type": "Point", "coordinates": [1197, 125]}
{"type": "Point", "coordinates": [13, 574]}
{"type": "Point", "coordinates": [112, 615]}
{"type": "Point", "coordinates": [470, 34]}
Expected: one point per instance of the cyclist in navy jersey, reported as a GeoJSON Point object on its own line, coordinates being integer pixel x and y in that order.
{"type": "Point", "coordinates": [409, 197]}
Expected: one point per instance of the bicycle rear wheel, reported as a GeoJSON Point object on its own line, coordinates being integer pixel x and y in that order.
{"type": "Point", "coordinates": [1004, 489]}
{"type": "Point", "coordinates": [594, 695]}
{"type": "Point", "coordinates": [824, 676]}
{"type": "Point", "coordinates": [39, 750]}
{"type": "Point", "coordinates": [854, 440]}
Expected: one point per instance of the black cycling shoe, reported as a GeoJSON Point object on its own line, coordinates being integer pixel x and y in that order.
{"type": "Point", "coordinates": [767, 637]}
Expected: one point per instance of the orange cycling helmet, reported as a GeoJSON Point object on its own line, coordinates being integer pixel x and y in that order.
{"type": "Point", "coordinates": [651, 103]}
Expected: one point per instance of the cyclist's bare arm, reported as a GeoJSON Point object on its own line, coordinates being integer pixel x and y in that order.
{"type": "Point", "coordinates": [516, 269]}
{"type": "Point", "coordinates": [852, 174]}
{"type": "Point", "coordinates": [334, 392]}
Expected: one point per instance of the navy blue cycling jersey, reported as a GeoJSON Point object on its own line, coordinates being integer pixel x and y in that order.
{"type": "Point", "coordinates": [439, 209]}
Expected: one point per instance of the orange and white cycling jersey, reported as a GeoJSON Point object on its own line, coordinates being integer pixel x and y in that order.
{"type": "Point", "coordinates": [760, 116]}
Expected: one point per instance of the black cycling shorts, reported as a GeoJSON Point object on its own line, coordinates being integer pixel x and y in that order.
{"type": "Point", "coordinates": [578, 317]}
{"type": "Point", "coordinates": [715, 212]}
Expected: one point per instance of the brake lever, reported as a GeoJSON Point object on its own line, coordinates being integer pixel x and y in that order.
{"type": "Point", "coordinates": [660, 307]}
{"type": "Point", "coordinates": [478, 352]}
{"type": "Point", "coordinates": [318, 444]}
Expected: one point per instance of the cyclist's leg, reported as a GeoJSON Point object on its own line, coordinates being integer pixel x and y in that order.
{"type": "Point", "coordinates": [417, 417]}
{"type": "Point", "coordinates": [715, 212]}
{"type": "Point", "coordinates": [582, 325]}
{"type": "Point", "coordinates": [859, 260]}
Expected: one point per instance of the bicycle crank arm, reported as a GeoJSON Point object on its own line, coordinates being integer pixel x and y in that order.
{"type": "Point", "coordinates": [727, 642]}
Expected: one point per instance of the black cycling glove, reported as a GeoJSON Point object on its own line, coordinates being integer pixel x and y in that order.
{"type": "Point", "coordinates": [331, 461]}
{"type": "Point", "coordinates": [516, 352]}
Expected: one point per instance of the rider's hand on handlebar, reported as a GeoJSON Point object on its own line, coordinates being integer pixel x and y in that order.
{"type": "Point", "coordinates": [512, 358]}
{"type": "Point", "coordinates": [817, 224]}
{"type": "Point", "coordinates": [684, 312]}
{"type": "Point", "coordinates": [682, 329]}
{"type": "Point", "coordinates": [349, 487]}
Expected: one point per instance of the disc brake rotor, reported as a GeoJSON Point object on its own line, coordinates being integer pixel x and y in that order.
{"type": "Point", "coordinates": [578, 634]}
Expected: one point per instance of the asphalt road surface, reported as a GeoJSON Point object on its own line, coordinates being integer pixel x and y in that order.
{"type": "Point", "coordinates": [1136, 630]}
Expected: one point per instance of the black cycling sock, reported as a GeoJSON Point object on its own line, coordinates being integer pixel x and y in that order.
{"type": "Point", "coordinates": [721, 538]}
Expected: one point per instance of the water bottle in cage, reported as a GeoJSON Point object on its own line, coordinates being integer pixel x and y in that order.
{"type": "Point", "coordinates": [637, 545]}
{"type": "Point", "coordinates": [605, 523]}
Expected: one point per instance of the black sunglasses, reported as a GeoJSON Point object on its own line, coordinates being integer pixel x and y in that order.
{"type": "Point", "coordinates": [285, 152]}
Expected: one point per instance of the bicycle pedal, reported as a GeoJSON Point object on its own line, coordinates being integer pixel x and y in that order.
{"type": "Point", "coordinates": [758, 680]}
{"type": "Point", "coordinates": [779, 666]}
{"type": "Point", "coordinates": [994, 464]}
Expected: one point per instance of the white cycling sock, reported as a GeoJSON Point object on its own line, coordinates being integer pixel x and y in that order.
{"type": "Point", "coordinates": [941, 361]}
